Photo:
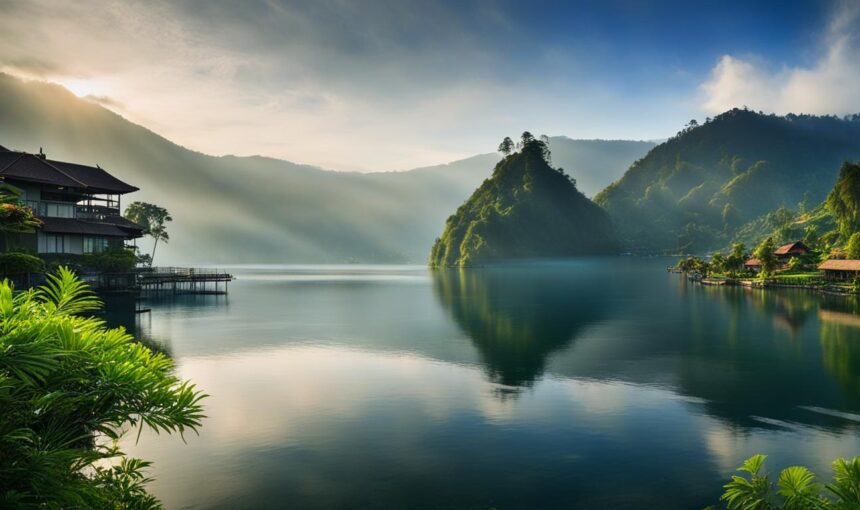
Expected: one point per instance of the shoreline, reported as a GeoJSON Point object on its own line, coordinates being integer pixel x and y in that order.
{"type": "Point", "coordinates": [763, 284]}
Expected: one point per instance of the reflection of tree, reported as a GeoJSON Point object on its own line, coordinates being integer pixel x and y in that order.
{"type": "Point", "coordinates": [517, 316]}
{"type": "Point", "coordinates": [740, 365]}
{"type": "Point", "coordinates": [840, 344]}
{"type": "Point", "coordinates": [120, 310]}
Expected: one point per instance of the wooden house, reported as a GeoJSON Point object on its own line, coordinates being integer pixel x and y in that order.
{"type": "Point", "coordinates": [79, 205]}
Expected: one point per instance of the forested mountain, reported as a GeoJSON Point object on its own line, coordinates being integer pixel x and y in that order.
{"type": "Point", "coordinates": [257, 209]}
{"type": "Point", "coordinates": [695, 191]}
{"type": "Point", "coordinates": [527, 209]}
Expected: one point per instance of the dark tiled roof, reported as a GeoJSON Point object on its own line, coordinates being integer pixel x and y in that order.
{"type": "Point", "coordinates": [795, 247]}
{"type": "Point", "coordinates": [93, 177]}
{"type": "Point", "coordinates": [123, 223]}
{"type": "Point", "coordinates": [73, 226]}
{"type": "Point", "coordinates": [3, 149]}
{"type": "Point", "coordinates": [32, 168]}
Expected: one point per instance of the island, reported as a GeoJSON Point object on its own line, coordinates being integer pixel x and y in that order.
{"type": "Point", "coordinates": [526, 210]}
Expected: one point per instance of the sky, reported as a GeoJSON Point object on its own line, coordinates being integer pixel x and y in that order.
{"type": "Point", "coordinates": [391, 85]}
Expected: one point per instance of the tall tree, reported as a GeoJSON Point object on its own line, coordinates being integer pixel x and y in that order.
{"type": "Point", "coordinates": [844, 201]}
{"type": "Point", "coordinates": [526, 138]}
{"type": "Point", "coordinates": [766, 256]}
{"type": "Point", "coordinates": [153, 219]}
{"type": "Point", "coordinates": [735, 260]}
{"type": "Point", "coordinates": [507, 146]}
{"type": "Point", "coordinates": [852, 248]}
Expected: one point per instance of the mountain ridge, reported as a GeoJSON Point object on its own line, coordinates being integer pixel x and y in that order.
{"type": "Point", "coordinates": [255, 209]}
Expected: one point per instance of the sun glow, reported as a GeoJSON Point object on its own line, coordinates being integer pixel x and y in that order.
{"type": "Point", "coordinates": [83, 88]}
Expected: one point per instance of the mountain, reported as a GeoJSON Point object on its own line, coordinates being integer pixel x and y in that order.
{"type": "Point", "coordinates": [595, 164]}
{"type": "Point", "coordinates": [527, 209]}
{"type": "Point", "coordinates": [257, 209]}
{"type": "Point", "coordinates": [694, 192]}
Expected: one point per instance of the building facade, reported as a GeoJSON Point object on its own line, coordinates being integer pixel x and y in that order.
{"type": "Point", "coordinates": [79, 205]}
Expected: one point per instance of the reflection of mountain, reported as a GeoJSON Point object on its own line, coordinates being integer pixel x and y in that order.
{"type": "Point", "coordinates": [517, 316]}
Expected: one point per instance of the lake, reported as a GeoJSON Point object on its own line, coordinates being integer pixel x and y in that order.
{"type": "Point", "coordinates": [595, 383]}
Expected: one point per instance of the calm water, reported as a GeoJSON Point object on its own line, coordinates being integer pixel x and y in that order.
{"type": "Point", "coordinates": [588, 384]}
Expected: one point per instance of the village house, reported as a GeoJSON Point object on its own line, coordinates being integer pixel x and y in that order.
{"type": "Point", "coordinates": [787, 252]}
{"type": "Point", "coordinates": [784, 254]}
{"type": "Point", "coordinates": [840, 270]}
{"type": "Point", "coordinates": [79, 205]}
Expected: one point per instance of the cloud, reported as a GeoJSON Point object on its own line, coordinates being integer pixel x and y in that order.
{"type": "Point", "coordinates": [826, 86]}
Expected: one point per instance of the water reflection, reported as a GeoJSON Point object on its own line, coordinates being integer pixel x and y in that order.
{"type": "Point", "coordinates": [518, 316]}
{"type": "Point", "coordinates": [379, 388]}
{"type": "Point", "coordinates": [780, 351]}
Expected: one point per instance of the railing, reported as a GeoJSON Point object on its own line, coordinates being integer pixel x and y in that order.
{"type": "Point", "coordinates": [88, 211]}
{"type": "Point", "coordinates": [96, 212]}
{"type": "Point", "coordinates": [148, 274]}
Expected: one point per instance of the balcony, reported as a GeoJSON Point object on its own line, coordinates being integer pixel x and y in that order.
{"type": "Point", "coordinates": [96, 212]}
{"type": "Point", "coordinates": [52, 209]}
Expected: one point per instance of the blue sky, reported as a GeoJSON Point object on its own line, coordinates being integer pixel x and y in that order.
{"type": "Point", "coordinates": [385, 85]}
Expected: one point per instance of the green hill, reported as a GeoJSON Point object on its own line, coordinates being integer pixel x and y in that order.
{"type": "Point", "coordinates": [257, 209]}
{"type": "Point", "coordinates": [695, 191]}
{"type": "Point", "coordinates": [527, 209]}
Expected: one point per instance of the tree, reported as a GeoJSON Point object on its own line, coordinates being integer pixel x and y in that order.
{"type": "Point", "coordinates": [69, 389]}
{"type": "Point", "coordinates": [507, 146]}
{"type": "Point", "coordinates": [735, 260]}
{"type": "Point", "coordinates": [152, 218]}
{"type": "Point", "coordinates": [810, 236]}
{"type": "Point", "coordinates": [718, 263]}
{"type": "Point", "coordinates": [796, 488]}
{"type": "Point", "coordinates": [844, 200]}
{"type": "Point", "coordinates": [15, 217]}
{"type": "Point", "coordinates": [852, 248]}
{"type": "Point", "coordinates": [765, 254]}
{"type": "Point", "coordinates": [526, 138]}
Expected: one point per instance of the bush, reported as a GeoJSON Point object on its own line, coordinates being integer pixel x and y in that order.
{"type": "Point", "coordinates": [118, 261]}
{"type": "Point", "coordinates": [796, 488]}
{"type": "Point", "coordinates": [20, 263]}
{"type": "Point", "coordinates": [69, 388]}
{"type": "Point", "coordinates": [121, 261]}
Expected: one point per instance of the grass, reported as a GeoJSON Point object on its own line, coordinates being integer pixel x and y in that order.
{"type": "Point", "coordinates": [814, 275]}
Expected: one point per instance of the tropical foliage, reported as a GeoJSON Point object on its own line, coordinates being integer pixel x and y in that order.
{"type": "Point", "coordinates": [69, 388]}
{"type": "Point", "coordinates": [527, 209]}
{"type": "Point", "coordinates": [15, 217]}
{"type": "Point", "coordinates": [14, 263]}
{"type": "Point", "coordinates": [796, 488]}
{"type": "Point", "coordinates": [154, 221]}
{"type": "Point", "coordinates": [844, 200]}
{"type": "Point", "coordinates": [766, 256]}
{"type": "Point", "coordinates": [698, 190]}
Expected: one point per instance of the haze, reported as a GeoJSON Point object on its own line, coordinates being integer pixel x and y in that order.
{"type": "Point", "coordinates": [390, 85]}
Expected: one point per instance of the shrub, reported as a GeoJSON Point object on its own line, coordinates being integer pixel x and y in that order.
{"type": "Point", "coordinates": [117, 261]}
{"type": "Point", "coordinates": [796, 488]}
{"type": "Point", "coordinates": [20, 263]}
{"type": "Point", "coordinates": [69, 387]}
{"type": "Point", "coordinates": [120, 261]}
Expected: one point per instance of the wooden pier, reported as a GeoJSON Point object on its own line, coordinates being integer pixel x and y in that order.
{"type": "Point", "coordinates": [183, 280]}
{"type": "Point", "coordinates": [175, 280]}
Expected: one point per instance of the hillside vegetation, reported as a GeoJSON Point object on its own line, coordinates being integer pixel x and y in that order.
{"type": "Point", "coordinates": [702, 188]}
{"type": "Point", "coordinates": [258, 209]}
{"type": "Point", "coordinates": [527, 209]}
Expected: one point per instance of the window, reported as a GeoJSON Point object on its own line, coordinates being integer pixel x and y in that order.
{"type": "Point", "coordinates": [54, 243]}
{"type": "Point", "coordinates": [59, 210]}
{"type": "Point", "coordinates": [95, 244]}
